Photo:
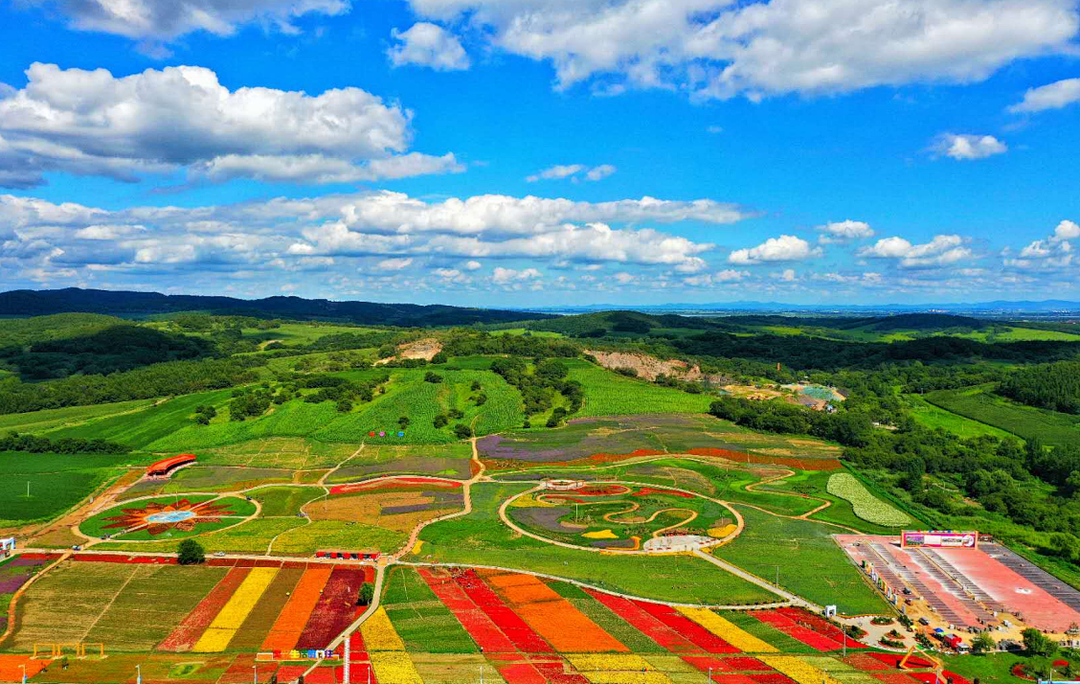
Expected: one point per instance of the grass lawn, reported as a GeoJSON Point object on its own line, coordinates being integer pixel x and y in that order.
{"type": "Point", "coordinates": [285, 501]}
{"type": "Point", "coordinates": [810, 563]}
{"type": "Point", "coordinates": [1054, 429]}
{"type": "Point", "coordinates": [480, 538]}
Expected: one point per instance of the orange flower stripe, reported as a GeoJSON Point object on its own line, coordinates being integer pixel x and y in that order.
{"type": "Point", "coordinates": [294, 616]}
{"type": "Point", "coordinates": [553, 617]}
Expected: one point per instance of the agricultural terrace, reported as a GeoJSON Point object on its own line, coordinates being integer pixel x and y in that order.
{"type": "Point", "coordinates": [619, 517]}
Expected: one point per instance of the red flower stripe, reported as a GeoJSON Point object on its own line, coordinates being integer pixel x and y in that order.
{"type": "Point", "coordinates": [556, 673]}
{"type": "Point", "coordinates": [507, 620]}
{"type": "Point", "coordinates": [644, 623]}
{"type": "Point", "coordinates": [333, 613]}
{"type": "Point", "coordinates": [893, 660]}
{"type": "Point", "coordinates": [521, 673]}
{"type": "Point", "coordinates": [185, 636]}
{"type": "Point", "coordinates": [479, 626]}
{"type": "Point", "coordinates": [687, 627]}
{"type": "Point", "coordinates": [784, 619]}
{"type": "Point", "coordinates": [736, 664]}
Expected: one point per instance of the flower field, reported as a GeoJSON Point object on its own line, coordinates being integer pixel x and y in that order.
{"type": "Point", "coordinates": [866, 505]}
{"type": "Point", "coordinates": [437, 624]}
{"type": "Point", "coordinates": [814, 631]}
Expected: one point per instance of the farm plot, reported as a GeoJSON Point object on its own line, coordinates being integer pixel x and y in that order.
{"type": "Point", "coordinates": [200, 478]}
{"type": "Point", "coordinates": [142, 428]}
{"type": "Point", "coordinates": [127, 606]}
{"type": "Point", "coordinates": [805, 557]}
{"type": "Point", "coordinates": [604, 440]}
{"type": "Point", "coordinates": [611, 394]}
{"type": "Point", "coordinates": [976, 403]}
{"type": "Point", "coordinates": [53, 419]}
{"type": "Point", "coordinates": [447, 460]}
{"type": "Point", "coordinates": [480, 538]}
{"type": "Point", "coordinates": [56, 482]}
{"type": "Point", "coordinates": [293, 453]}
{"type": "Point", "coordinates": [615, 516]}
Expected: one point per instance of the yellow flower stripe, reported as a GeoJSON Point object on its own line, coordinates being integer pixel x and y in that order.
{"type": "Point", "coordinates": [728, 631]}
{"type": "Point", "coordinates": [379, 634]}
{"type": "Point", "coordinates": [798, 669]}
{"type": "Point", "coordinates": [616, 668]}
{"type": "Point", "coordinates": [394, 667]}
{"type": "Point", "coordinates": [649, 677]}
{"type": "Point", "coordinates": [590, 662]}
{"type": "Point", "coordinates": [221, 631]}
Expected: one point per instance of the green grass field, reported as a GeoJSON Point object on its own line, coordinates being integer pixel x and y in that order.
{"type": "Point", "coordinates": [142, 428]}
{"type": "Point", "coordinates": [809, 561]}
{"type": "Point", "coordinates": [933, 417]}
{"type": "Point", "coordinates": [480, 538]}
{"type": "Point", "coordinates": [976, 403]}
{"type": "Point", "coordinates": [52, 419]}
{"type": "Point", "coordinates": [57, 482]}
{"type": "Point", "coordinates": [611, 394]}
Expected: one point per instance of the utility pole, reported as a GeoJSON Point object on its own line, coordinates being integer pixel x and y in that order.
{"type": "Point", "coordinates": [138, 674]}
{"type": "Point", "coordinates": [777, 575]}
{"type": "Point", "coordinates": [255, 673]}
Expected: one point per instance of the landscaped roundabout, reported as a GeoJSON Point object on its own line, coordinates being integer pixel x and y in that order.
{"type": "Point", "coordinates": [169, 517]}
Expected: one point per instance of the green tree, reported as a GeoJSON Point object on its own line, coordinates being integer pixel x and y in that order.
{"type": "Point", "coordinates": [1038, 644]}
{"type": "Point", "coordinates": [983, 643]}
{"type": "Point", "coordinates": [367, 593]}
{"type": "Point", "coordinates": [190, 552]}
{"type": "Point", "coordinates": [432, 377]}
{"type": "Point", "coordinates": [462, 431]}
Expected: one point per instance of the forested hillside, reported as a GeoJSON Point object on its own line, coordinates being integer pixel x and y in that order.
{"type": "Point", "coordinates": [1054, 386]}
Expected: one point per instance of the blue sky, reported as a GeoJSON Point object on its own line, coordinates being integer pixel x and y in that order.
{"type": "Point", "coordinates": [543, 152]}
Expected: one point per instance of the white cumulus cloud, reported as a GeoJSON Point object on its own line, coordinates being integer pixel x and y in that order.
{"type": "Point", "coordinates": [719, 48]}
{"type": "Point", "coordinates": [1052, 253]}
{"type": "Point", "coordinates": [844, 231]}
{"type": "Point", "coordinates": [1052, 96]}
{"type": "Point", "coordinates": [158, 121]}
{"type": "Point", "coordinates": [783, 248]}
{"type": "Point", "coordinates": [943, 250]}
{"type": "Point", "coordinates": [430, 45]}
{"type": "Point", "coordinates": [964, 147]}
{"type": "Point", "coordinates": [168, 19]}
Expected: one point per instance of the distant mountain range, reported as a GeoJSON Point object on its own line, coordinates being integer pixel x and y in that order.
{"type": "Point", "coordinates": [1047, 308]}
{"type": "Point", "coordinates": [123, 303]}
{"type": "Point", "coordinates": [120, 303]}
